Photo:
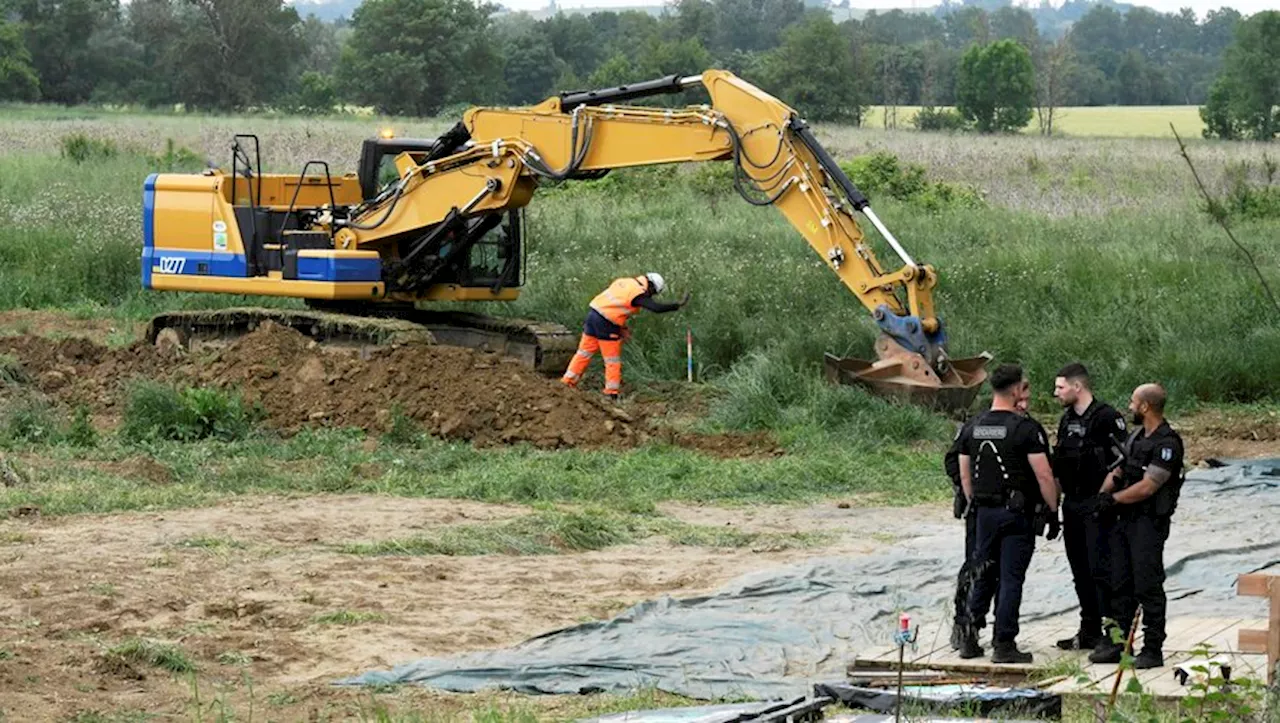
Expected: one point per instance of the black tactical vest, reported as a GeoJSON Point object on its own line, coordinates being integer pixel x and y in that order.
{"type": "Point", "coordinates": [1141, 452]}
{"type": "Point", "coordinates": [1079, 457]}
{"type": "Point", "coordinates": [1000, 472]}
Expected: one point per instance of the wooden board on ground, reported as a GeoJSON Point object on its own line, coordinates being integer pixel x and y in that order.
{"type": "Point", "coordinates": [1070, 672]}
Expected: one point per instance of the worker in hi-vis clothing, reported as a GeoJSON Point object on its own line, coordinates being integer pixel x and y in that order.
{"type": "Point", "coordinates": [606, 326]}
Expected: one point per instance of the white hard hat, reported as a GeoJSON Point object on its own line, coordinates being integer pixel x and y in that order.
{"type": "Point", "coordinates": [656, 281]}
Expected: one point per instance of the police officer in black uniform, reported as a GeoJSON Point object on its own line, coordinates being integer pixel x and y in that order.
{"type": "Point", "coordinates": [961, 509]}
{"type": "Point", "coordinates": [1090, 435]}
{"type": "Point", "coordinates": [1004, 471]}
{"type": "Point", "coordinates": [1141, 496]}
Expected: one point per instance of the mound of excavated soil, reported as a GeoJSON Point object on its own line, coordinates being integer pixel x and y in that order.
{"type": "Point", "coordinates": [451, 392]}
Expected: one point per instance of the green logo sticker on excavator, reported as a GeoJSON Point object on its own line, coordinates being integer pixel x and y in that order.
{"type": "Point", "coordinates": [219, 236]}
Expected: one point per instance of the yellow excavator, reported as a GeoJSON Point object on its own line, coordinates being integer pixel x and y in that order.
{"type": "Point", "coordinates": [446, 226]}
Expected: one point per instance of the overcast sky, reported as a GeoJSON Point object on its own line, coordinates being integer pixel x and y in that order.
{"type": "Point", "coordinates": [1246, 7]}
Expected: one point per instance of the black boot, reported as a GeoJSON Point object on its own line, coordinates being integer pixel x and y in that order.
{"type": "Point", "coordinates": [969, 647]}
{"type": "Point", "coordinates": [1106, 652]}
{"type": "Point", "coordinates": [1084, 639]}
{"type": "Point", "coordinates": [1007, 652]}
{"type": "Point", "coordinates": [1150, 657]}
{"type": "Point", "coordinates": [957, 636]}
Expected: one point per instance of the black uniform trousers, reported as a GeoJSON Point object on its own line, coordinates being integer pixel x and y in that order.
{"type": "Point", "coordinates": [964, 579]}
{"type": "Point", "coordinates": [1085, 543]}
{"type": "Point", "coordinates": [1136, 557]}
{"type": "Point", "coordinates": [1005, 543]}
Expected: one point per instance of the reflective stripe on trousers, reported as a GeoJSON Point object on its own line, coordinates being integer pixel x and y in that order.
{"type": "Point", "coordinates": [611, 350]}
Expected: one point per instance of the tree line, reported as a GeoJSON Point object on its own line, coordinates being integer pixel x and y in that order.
{"type": "Point", "coordinates": [422, 57]}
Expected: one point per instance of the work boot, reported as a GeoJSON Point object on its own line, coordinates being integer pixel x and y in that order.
{"type": "Point", "coordinates": [1106, 652]}
{"type": "Point", "coordinates": [1150, 657]}
{"type": "Point", "coordinates": [1007, 652]}
{"type": "Point", "coordinates": [1082, 640]}
{"type": "Point", "coordinates": [969, 647]}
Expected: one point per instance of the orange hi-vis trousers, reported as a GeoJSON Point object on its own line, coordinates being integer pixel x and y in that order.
{"type": "Point", "coordinates": [610, 349]}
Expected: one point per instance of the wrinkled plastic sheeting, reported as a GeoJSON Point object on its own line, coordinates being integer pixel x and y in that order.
{"type": "Point", "coordinates": [979, 699]}
{"type": "Point", "coordinates": [787, 711]}
{"type": "Point", "coordinates": [699, 714]}
{"type": "Point", "coordinates": [770, 634]}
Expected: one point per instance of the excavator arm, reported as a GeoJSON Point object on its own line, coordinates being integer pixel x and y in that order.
{"type": "Point", "coordinates": [501, 154]}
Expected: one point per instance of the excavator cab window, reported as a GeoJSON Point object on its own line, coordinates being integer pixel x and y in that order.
{"type": "Point", "coordinates": [377, 160]}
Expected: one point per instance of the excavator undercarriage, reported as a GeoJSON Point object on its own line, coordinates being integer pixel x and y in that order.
{"type": "Point", "coordinates": [543, 346]}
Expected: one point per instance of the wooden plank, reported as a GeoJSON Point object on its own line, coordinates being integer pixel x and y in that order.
{"type": "Point", "coordinates": [1255, 584]}
{"type": "Point", "coordinates": [1214, 632]}
{"type": "Point", "coordinates": [1273, 639]}
{"type": "Point", "coordinates": [1253, 641]}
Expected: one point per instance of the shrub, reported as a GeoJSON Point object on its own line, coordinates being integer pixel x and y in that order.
{"type": "Point", "coordinates": [31, 421]}
{"type": "Point", "coordinates": [80, 148]}
{"type": "Point", "coordinates": [81, 432]}
{"type": "Point", "coordinates": [159, 412]}
{"type": "Point", "coordinates": [939, 119]}
{"type": "Point", "coordinates": [1246, 199]}
{"type": "Point", "coordinates": [176, 159]}
{"type": "Point", "coordinates": [12, 372]}
{"type": "Point", "coordinates": [882, 173]}
{"type": "Point", "coordinates": [403, 430]}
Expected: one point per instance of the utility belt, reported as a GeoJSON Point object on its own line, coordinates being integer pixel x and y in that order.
{"type": "Point", "coordinates": [1012, 500]}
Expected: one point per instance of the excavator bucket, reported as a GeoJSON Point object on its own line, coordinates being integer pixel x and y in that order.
{"type": "Point", "coordinates": [906, 376]}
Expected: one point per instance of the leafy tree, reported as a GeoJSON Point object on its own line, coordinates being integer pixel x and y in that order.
{"type": "Point", "coordinates": [754, 25]}
{"type": "Point", "coordinates": [696, 19]}
{"type": "Point", "coordinates": [323, 42]}
{"type": "Point", "coordinates": [58, 35]}
{"type": "Point", "coordinates": [1015, 23]}
{"type": "Point", "coordinates": [417, 56]}
{"type": "Point", "coordinates": [996, 86]}
{"type": "Point", "coordinates": [531, 67]}
{"type": "Point", "coordinates": [614, 71]}
{"type": "Point", "coordinates": [1244, 98]}
{"type": "Point", "coordinates": [813, 71]}
{"type": "Point", "coordinates": [665, 57]}
{"type": "Point", "coordinates": [237, 53]}
{"type": "Point", "coordinates": [316, 93]}
{"type": "Point", "coordinates": [18, 79]}
{"type": "Point", "coordinates": [575, 40]}
{"type": "Point", "coordinates": [967, 26]}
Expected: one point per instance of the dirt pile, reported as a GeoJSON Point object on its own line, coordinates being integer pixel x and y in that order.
{"type": "Point", "coordinates": [450, 392]}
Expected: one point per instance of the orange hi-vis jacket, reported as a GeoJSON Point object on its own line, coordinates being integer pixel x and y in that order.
{"type": "Point", "coordinates": [614, 303]}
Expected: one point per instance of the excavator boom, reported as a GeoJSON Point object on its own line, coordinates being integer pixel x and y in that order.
{"type": "Point", "coordinates": [409, 240]}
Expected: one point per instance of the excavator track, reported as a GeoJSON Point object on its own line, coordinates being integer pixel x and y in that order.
{"type": "Point", "coordinates": [543, 346]}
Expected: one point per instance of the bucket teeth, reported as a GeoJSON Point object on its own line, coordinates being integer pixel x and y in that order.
{"type": "Point", "coordinates": [907, 376]}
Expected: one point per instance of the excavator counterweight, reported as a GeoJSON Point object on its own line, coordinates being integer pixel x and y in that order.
{"type": "Point", "coordinates": [444, 224]}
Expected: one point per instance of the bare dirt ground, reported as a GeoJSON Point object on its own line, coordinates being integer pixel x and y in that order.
{"type": "Point", "coordinates": [243, 588]}
{"type": "Point", "coordinates": [258, 590]}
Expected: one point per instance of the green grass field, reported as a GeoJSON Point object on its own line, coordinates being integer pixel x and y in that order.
{"type": "Point", "coordinates": [1089, 121]}
{"type": "Point", "coordinates": [1059, 249]}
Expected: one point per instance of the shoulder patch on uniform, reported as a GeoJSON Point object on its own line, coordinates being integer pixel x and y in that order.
{"type": "Point", "coordinates": [1120, 423]}
{"type": "Point", "coordinates": [993, 432]}
{"type": "Point", "coordinates": [1166, 454]}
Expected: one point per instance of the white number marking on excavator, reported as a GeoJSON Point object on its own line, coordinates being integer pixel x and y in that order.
{"type": "Point", "coordinates": [172, 264]}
